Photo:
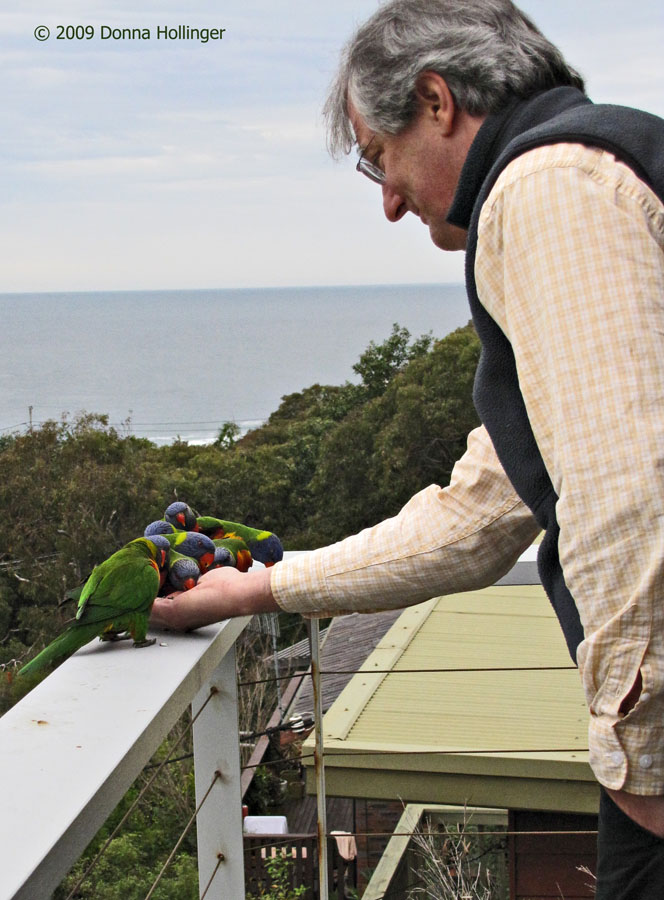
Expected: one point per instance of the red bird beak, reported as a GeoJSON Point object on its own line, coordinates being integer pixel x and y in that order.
{"type": "Point", "coordinates": [205, 561]}
{"type": "Point", "coordinates": [189, 584]}
{"type": "Point", "coordinates": [180, 518]}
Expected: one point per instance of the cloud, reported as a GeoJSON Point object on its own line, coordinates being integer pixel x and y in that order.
{"type": "Point", "coordinates": [138, 164]}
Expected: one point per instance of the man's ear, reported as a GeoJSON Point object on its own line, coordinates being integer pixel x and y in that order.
{"type": "Point", "coordinates": [435, 99]}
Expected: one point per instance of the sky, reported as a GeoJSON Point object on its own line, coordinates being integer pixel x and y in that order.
{"type": "Point", "coordinates": [139, 164]}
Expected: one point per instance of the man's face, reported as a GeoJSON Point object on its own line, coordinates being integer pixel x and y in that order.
{"type": "Point", "coordinates": [421, 166]}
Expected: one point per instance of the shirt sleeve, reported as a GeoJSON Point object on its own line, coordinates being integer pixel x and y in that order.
{"type": "Point", "coordinates": [444, 540]}
{"type": "Point", "coordinates": [570, 264]}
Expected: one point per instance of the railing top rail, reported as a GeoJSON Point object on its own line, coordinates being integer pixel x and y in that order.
{"type": "Point", "coordinates": [75, 743]}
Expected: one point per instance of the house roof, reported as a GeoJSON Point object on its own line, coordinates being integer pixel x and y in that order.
{"type": "Point", "coordinates": [505, 725]}
{"type": "Point", "coordinates": [345, 646]}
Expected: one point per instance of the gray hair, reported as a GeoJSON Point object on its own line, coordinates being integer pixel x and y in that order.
{"type": "Point", "coordinates": [486, 50]}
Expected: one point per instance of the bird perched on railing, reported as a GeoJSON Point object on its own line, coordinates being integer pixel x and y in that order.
{"type": "Point", "coordinates": [118, 596]}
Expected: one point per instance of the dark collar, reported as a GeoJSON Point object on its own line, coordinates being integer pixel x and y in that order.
{"type": "Point", "coordinates": [495, 133]}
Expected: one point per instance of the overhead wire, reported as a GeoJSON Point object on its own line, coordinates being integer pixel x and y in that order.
{"type": "Point", "coordinates": [440, 670]}
{"type": "Point", "coordinates": [286, 840]}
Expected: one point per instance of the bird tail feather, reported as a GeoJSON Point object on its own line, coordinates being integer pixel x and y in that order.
{"type": "Point", "coordinates": [63, 646]}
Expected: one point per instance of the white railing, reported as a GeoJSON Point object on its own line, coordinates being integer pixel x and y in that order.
{"type": "Point", "coordinates": [74, 745]}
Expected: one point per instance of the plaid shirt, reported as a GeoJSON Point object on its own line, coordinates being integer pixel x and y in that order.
{"type": "Point", "coordinates": [570, 264]}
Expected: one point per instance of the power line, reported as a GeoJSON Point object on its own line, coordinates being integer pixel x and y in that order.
{"type": "Point", "coordinates": [503, 832]}
{"type": "Point", "coordinates": [441, 670]}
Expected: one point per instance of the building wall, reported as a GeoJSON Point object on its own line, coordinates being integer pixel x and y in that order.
{"type": "Point", "coordinates": [545, 864]}
{"type": "Point", "coordinates": [375, 820]}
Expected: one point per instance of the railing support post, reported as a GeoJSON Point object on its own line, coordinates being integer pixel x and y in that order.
{"type": "Point", "coordinates": [219, 822]}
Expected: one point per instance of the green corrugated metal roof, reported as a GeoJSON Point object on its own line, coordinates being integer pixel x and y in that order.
{"type": "Point", "coordinates": [500, 738]}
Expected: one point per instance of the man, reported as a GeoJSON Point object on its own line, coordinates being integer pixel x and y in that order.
{"type": "Point", "coordinates": [467, 117]}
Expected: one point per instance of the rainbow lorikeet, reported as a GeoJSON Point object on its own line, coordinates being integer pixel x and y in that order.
{"type": "Point", "coordinates": [183, 573]}
{"type": "Point", "coordinates": [181, 515]}
{"type": "Point", "coordinates": [190, 543]}
{"type": "Point", "coordinates": [161, 526]}
{"type": "Point", "coordinates": [223, 557]}
{"type": "Point", "coordinates": [117, 596]}
{"type": "Point", "coordinates": [264, 546]}
{"type": "Point", "coordinates": [240, 553]}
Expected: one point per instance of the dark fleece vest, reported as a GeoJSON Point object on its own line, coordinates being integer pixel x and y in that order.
{"type": "Point", "coordinates": [560, 115]}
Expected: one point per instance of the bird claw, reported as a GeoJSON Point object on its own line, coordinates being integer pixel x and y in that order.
{"type": "Point", "coordinates": [114, 636]}
{"type": "Point", "coordinates": [148, 642]}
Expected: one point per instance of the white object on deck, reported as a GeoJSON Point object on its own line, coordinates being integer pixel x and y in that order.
{"type": "Point", "coordinates": [265, 825]}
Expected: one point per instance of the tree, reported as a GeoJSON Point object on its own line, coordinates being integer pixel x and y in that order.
{"type": "Point", "coordinates": [228, 435]}
{"type": "Point", "coordinates": [379, 363]}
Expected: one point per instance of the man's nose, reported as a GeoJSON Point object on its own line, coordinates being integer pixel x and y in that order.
{"type": "Point", "coordinates": [394, 204]}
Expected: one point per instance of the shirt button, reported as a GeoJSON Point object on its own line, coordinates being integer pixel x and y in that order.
{"type": "Point", "coordinates": [645, 696]}
{"type": "Point", "coordinates": [616, 758]}
{"type": "Point", "coordinates": [645, 761]}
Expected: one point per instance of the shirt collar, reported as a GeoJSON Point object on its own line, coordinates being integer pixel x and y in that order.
{"type": "Point", "coordinates": [494, 134]}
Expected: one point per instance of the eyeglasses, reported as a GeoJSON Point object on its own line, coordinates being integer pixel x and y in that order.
{"type": "Point", "coordinates": [371, 170]}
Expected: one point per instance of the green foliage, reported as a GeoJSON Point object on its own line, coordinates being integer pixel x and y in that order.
{"type": "Point", "coordinates": [379, 363]}
{"type": "Point", "coordinates": [280, 886]}
{"type": "Point", "coordinates": [228, 435]}
{"type": "Point", "coordinates": [265, 791]}
{"type": "Point", "coordinates": [395, 444]}
{"type": "Point", "coordinates": [72, 493]}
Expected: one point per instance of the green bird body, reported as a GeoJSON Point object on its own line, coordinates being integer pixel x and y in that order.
{"type": "Point", "coordinates": [117, 597]}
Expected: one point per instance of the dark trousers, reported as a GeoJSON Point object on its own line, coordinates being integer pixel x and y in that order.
{"type": "Point", "coordinates": [630, 860]}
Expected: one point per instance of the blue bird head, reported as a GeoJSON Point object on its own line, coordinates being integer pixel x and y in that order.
{"type": "Point", "coordinates": [163, 549]}
{"type": "Point", "coordinates": [222, 557]}
{"type": "Point", "coordinates": [267, 550]}
{"type": "Point", "coordinates": [183, 573]}
{"type": "Point", "coordinates": [159, 527]}
{"type": "Point", "coordinates": [181, 516]}
{"type": "Point", "coordinates": [198, 546]}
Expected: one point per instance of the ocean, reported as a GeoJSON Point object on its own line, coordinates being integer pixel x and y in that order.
{"type": "Point", "coordinates": [169, 364]}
